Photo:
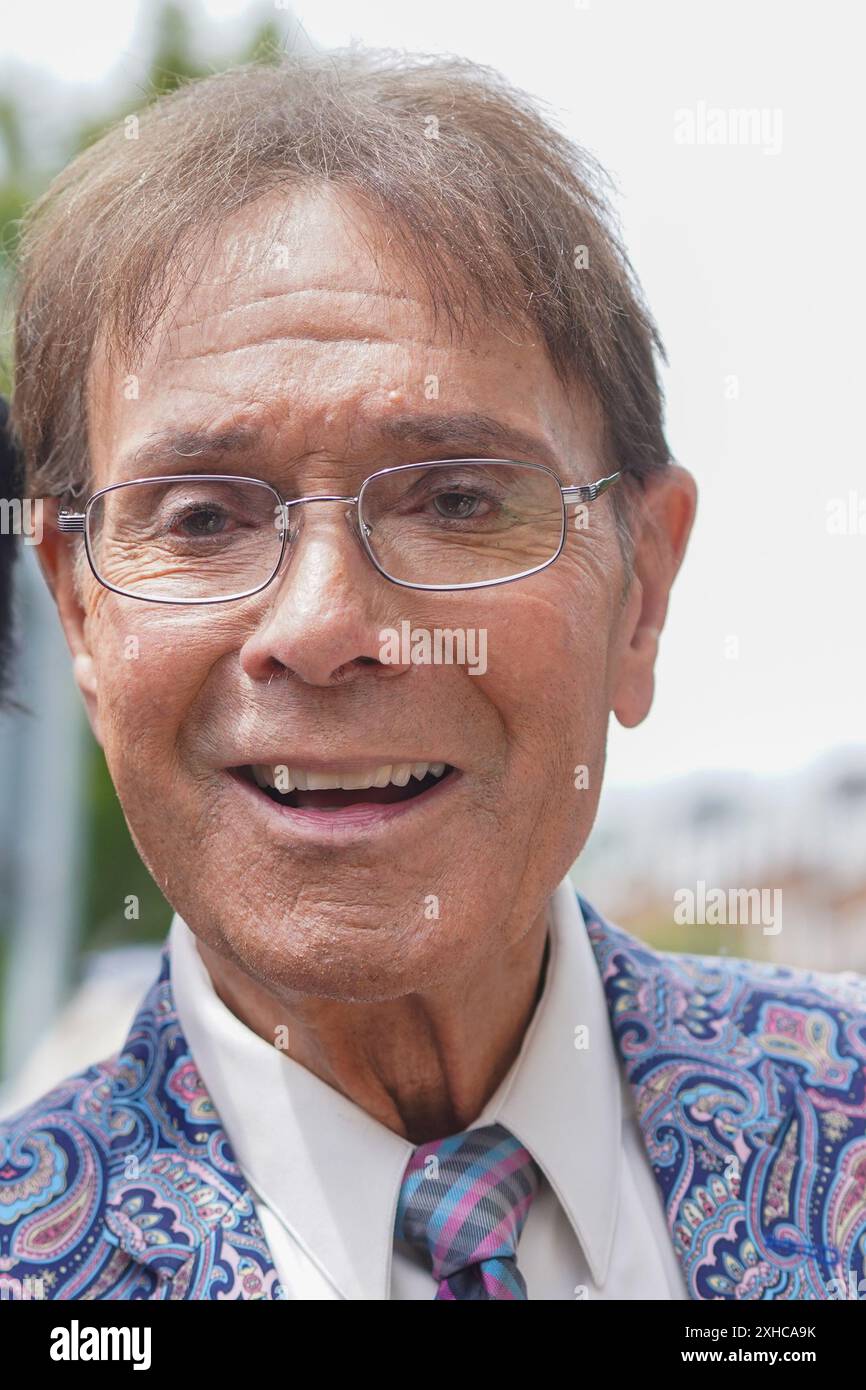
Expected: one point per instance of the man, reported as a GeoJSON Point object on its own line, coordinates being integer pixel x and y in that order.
{"type": "Point", "coordinates": [363, 522]}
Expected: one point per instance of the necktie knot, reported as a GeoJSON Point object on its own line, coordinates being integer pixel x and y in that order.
{"type": "Point", "coordinates": [463, 1203]}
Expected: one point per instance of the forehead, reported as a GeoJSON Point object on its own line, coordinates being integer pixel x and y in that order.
{"type": "Point", "coordinates": [302, 328]}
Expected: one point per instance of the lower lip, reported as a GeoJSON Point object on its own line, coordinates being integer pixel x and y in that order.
{"type": "Point", "coordinates": [350, 822]}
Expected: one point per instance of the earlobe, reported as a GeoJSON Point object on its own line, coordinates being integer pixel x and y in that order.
{"type": "Point", "coordinates": [636, 686]}
{"type": "Point", "coordinates": [669, 504]}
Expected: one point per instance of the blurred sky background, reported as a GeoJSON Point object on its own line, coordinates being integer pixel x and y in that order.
{"type": "Point", "coordinates": [752, 764]}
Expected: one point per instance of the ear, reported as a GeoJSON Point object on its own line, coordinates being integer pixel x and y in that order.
{"type": "Point", "coordinates": [57, 558]}
{"type": "Point", "coordinates": [663, 524]}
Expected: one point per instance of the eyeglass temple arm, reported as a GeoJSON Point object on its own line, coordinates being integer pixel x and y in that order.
{"type": "Point", "coordinates": [70, 522]}
{"type": "Point", "coordinates": [589, 491]}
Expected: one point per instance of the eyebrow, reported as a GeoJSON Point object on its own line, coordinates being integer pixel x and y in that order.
{"type": "Point", "coordinates": [447, 432]}
{"type": "Point", "coordinates": [466, 431]}
{"type": "Point", "coordinates": [161, 451]}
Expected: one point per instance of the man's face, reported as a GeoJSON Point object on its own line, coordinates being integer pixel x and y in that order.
{"type": "Point", "coordinates": [323, 351]}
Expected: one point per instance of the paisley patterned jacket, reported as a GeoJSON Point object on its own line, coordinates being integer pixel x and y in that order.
{"type": "Point", "coordinates": [750, 1085]}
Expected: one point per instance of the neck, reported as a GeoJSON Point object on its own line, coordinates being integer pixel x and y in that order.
{"type": "Point", "coordinates": [422, 1065]}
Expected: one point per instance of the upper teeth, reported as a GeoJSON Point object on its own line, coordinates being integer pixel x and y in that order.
{"type": "Point", "coordinates": [289, 779]}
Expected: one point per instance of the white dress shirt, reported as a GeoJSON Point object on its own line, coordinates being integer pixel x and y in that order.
{"type": "Point", "coordinates": [325, 1176]}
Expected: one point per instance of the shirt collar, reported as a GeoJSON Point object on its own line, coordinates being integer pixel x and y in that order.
{"type": "Point", "coordinates": [309, 1153]}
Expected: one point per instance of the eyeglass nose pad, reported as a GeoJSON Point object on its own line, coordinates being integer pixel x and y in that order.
{"type": "Point", "coordinates": [356, 525]}
{"type": "Point", "coordinates": [288, 524]}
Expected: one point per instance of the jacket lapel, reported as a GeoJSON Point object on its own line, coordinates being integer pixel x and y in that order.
{"type": "Point", "coordinates": [733, 1135]}
{"type": "Point", "coordinates": [178, 1209]}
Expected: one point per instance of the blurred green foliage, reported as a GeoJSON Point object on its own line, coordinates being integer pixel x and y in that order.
{"type": "Point", "coordinates": [114, 872]}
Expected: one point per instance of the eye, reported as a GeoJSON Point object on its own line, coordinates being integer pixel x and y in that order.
{"type": "Point", "coordinates": [202, 521]}
{"type": "Point", "coordinates": [456, 505]}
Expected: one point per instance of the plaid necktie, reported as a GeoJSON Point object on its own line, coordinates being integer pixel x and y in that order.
{"type": "Point", "coordinates": [463, 1203]}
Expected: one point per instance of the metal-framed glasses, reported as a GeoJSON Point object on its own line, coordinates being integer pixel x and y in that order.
{"type": "Point", "coordinates": [213, 537]}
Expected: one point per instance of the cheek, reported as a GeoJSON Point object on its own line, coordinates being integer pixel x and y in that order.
{"type": "Point", "coordinates": [548, 671]}
{"type": "Point", "coordinates": [548, 677]}
{"type": "Point", "coordinates": [148, 676]}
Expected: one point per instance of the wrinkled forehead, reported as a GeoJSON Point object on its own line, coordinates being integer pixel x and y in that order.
{"type": "Point", "coordinates": [291, 262]}
{"type": "Point", "coordinates": [302, 317]}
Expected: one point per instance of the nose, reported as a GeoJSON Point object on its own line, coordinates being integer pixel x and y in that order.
{"type": "Point", "coordinates": [326, 608]}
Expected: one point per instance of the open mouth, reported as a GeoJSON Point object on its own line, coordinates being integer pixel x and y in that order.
{"type": "Point", "coordinates": [316, 790]}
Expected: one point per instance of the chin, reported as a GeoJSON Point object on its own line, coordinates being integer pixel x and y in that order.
{"type": "Point", "coordinates": [357, 956]}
